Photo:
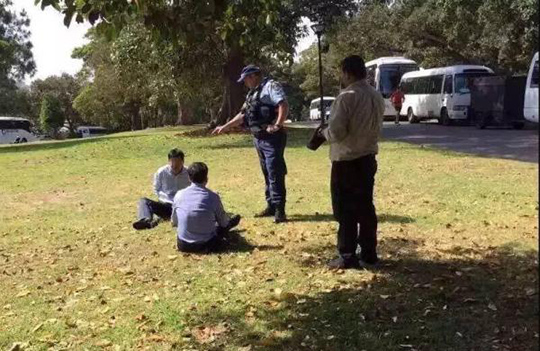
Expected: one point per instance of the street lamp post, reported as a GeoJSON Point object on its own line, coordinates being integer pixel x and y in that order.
{"type": "Point", "coordinates": [318, 28]}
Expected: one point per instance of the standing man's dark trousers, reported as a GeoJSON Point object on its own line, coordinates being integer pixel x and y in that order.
{"type": "Point", "coordinates": [271, 150]}
{"type": "Point", "coordinates": [352, 185]}
{"type": "Point", "coordinates": [148, 208]}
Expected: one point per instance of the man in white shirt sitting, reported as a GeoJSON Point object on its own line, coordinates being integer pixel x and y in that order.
{"type": "Point", "coordinates": [168, 180]}
{"type": "Point", "coordinates": [199, 215]}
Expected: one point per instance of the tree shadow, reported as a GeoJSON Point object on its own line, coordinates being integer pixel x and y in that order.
{"type": "Point", "coordinates": [61, 144]}
{"type": "Point", "coordinates": [326, 217]}
{"type": "Point", "coordinates": [413, 303]}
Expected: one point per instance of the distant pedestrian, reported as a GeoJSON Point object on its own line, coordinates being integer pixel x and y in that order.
{"type": "Point", "coordinates": [397, 98]}
{"type": "Point", "coordinates": [353, 132]}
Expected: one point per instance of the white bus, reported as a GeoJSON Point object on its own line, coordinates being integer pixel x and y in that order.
{"type": "Point", "coordinates": [15, 130]}
{"type": "Point", "coordinates": [384, 75]}
{"type": "Point", "coordinates": [441, 93]}
{"type": "Point", "coordinates": [315, 107]}
{"type": "Point", "coordinates": [530, 106]}
{"type": "Point", "coordinates": [90, 131]}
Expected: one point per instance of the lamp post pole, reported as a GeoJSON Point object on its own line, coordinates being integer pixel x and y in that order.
{"type": "Point", "coordinates": [318, 29]}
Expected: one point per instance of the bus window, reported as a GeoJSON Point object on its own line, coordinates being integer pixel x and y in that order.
{"type": "Point", "coordinates": [435, 84]}
{"type": "Point", "coordinates": [448, 86]}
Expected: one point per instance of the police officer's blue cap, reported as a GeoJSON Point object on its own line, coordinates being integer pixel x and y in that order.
{"type": "Point", "coordinates": [246, 71]}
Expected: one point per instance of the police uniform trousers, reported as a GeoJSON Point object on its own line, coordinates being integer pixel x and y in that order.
{"type": "Point", "coordinates": [352, 184]}
{"type": "Point", "coordinates": [271, 148]}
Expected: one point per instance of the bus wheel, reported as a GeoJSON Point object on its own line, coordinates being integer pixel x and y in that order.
{"type": "Point", "coordinates": [518, 125]}
{"type": "Point", "coordinates": [411, 117]}
{"type": "Point", "coordinates": [23, 140]}
{"type": "Point", "coordinates": [445, 119]}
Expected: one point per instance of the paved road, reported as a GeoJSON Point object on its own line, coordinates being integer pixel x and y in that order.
{"type": "Point", "coordinates": [512, 144]}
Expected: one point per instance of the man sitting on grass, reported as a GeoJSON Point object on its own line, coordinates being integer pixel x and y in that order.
{"type": "Point", "coordinates": [198, 213]}
{"type": "Point", "coordinates": [167, 181]}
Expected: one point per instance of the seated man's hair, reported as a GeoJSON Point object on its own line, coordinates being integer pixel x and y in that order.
{"type": "Point", "coordinates": [176, 153]}
{"type": "Point", "coordinates": [198, 172]}
{"type": "Point", "coordinates": [355, 66]}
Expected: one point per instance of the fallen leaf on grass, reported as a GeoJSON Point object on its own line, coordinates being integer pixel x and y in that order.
{"type": "Point", "coordinates": [172, 257]}
{"type": "Point", "coordinates": [384, 297]}
{"type": "Point", "coordinates": [208, 334]}
{"type": "Point", "coordinates": [104, 343]}
{"type": "Point", "coordinates": [37, 327]}
{"type": "Point", "coordinates": [23, 293]}
{"type": "Point", "coordinates": [492, 307]}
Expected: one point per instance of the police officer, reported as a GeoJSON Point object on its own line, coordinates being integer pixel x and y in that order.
{"type": "Point", "coordinates": [264, 114]}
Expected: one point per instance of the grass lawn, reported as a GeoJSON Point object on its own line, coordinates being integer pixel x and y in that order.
{"type": "Point", "coordinates": [458, 236]}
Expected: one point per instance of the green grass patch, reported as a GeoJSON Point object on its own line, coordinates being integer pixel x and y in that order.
{"type": "Point", "coordinates": [458, 236]}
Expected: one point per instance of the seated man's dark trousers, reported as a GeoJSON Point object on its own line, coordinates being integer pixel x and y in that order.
{"type": "Point", "coordinates": [352, 185]}
{"type": "Point", "coordinates": [148, 208]}
{"type": "Point", "coordinates": [216, 244]}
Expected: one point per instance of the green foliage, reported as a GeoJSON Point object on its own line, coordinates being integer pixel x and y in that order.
{"type": "Point", "coordinates": [51, 115]}
{"type": "Point", "coordinates": [64, 88]}
{"type": "Point", "coordinates": [501, 34]}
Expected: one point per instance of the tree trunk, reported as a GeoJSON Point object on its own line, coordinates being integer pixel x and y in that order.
{"type": "Point", "coordinates": [184, 114]}
{"type": "Point", "coordinates": [233, 92]}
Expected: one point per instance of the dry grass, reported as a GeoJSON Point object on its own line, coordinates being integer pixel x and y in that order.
{"type": "Point", "coordinates": [458, 236]}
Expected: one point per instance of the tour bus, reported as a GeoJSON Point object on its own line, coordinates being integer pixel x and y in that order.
{"type": "Point", "coordinates": [90, 131]}
{"type": "Point", "coordinates": [384, 75]}
{"type": "Point", "coordinates": [14, 130]}
{"type": "Point", "coordinates": [441, 93]}
{"type": "Point", "coordinates": [530, 106]}
{"type": "Point", "coordinates": [315, 107]}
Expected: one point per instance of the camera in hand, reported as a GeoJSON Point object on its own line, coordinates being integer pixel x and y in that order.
{"type": "Point", "coordinates": [316, 140]}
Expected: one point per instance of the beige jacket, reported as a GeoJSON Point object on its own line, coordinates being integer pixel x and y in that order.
{"type": "Point", "coordinates": [355, 122]}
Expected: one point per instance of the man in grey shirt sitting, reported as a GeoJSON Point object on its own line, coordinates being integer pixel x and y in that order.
{"type": "Point", "coordinates": [168, 180]}
{"type": "Point", "coordinates": [199, 215]}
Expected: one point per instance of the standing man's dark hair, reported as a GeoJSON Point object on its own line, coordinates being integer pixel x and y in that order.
{"type": "Point", "coordinates": [176, 153]}
{"type": "Point", "coordinates": [198, 173]}
{"type": "Point", "coordinates": [355, 66]}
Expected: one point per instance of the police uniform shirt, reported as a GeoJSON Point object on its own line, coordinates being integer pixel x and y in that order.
{"type": "Point", "coordinates": [272, 93]}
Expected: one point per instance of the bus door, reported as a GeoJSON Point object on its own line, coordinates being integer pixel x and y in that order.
{"type": "Point", "coordinates": [447, 96]}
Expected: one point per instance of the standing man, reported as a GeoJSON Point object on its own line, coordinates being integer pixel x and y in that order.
{"type": "Point", "coordinates": [353, 132]}
{"type": "Point", "coordinates": [397, 99]}
{"type": "Point", "coordinates": [264, 114]}
{"type": "Point", "coordinates": [167, 181]}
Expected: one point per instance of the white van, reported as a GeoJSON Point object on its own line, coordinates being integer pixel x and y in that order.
{"type": "Point", "coordinates": [15, 130]}
{"type": "Point", "coordinates": [384, 75]}
{"type": "Point", "coordinates": [530, 106]}
{"type": "Point", "coordinates": [315, 108]}
{"type": "Point", "coordinates": [441, 93]}
{"type": "Point", "coordinates": [90, 131]}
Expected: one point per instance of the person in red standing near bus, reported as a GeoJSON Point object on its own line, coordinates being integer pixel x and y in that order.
{"type": "Point", "coordinates": [397, 99]}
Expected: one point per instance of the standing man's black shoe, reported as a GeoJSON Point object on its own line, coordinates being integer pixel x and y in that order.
{"type": "Point", "coordinates": [344, 263]}
{"type": "Point", "coordinates": [280, 215]}
{"type": "Point", "coordinates": [267, 212]}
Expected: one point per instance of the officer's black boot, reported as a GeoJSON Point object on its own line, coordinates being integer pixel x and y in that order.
{"type": "Point", "coordinates": [269, 211]}
{"type": "Point", "coordinates": [280, 215]}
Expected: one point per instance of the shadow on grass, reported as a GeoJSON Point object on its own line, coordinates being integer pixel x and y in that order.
{"type": "Point", "coordinates": [326, 217]}
{"type": "Point", "coordinates": [237, 243]}
{"type": "Point", "coordinates": [61, 144]}
{"type": "Point", "coordinates": [412, 303]}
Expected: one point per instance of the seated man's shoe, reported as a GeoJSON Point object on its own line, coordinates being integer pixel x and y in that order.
{"type": "Point", "coordinates": [267, 212]}
{"type": "Point", "coordinates": [344, 263]}
{"type": "Point", "coordinates": [233, 222]}
{"type": "Point", "coordinates": [144, 223]}
{"type": "Point", "coordinates": [280, 216]}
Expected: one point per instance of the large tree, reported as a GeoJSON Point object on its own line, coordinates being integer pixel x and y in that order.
{"type": "Point", "coordinates": [64, 88]}
{"type": "Point", "coordinates": [16, 59]}
{"type": "Point", "coordinates": [236, 31]}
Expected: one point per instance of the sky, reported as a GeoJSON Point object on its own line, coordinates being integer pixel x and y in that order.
{"type": "Point", "coordinates": [53, 42]}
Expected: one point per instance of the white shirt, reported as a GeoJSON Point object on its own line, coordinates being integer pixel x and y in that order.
{"type": "Point", "coordinates": [166, 184]}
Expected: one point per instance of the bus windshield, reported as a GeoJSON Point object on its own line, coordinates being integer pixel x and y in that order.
{"type": "Point", "coordinates": [390, 75]}
{"type": "Point", "coordinates": [463, 81]}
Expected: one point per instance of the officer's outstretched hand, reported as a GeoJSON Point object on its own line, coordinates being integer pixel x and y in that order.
{"type": "Point", "coordinates": [219, 130]}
